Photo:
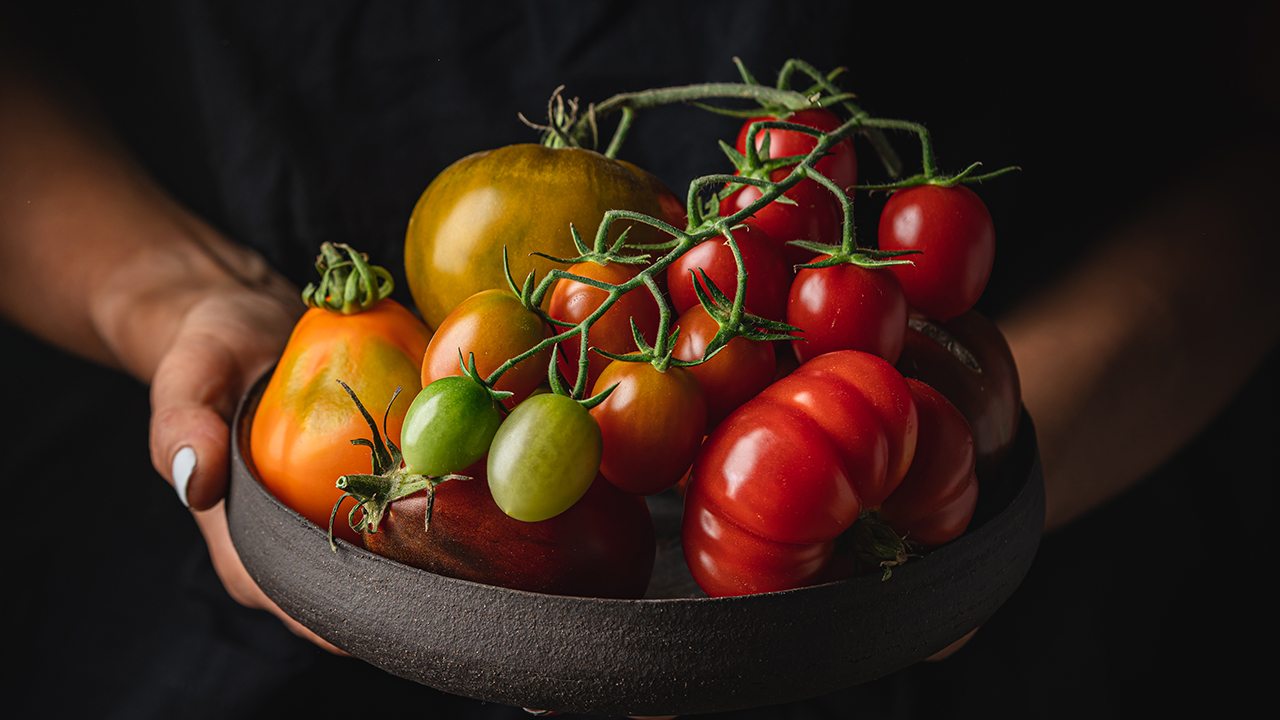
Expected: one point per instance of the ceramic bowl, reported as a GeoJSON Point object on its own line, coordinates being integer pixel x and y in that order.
{"type": "Point", "coordinates": [674, 652]}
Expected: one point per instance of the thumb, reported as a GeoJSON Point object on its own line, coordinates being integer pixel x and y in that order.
{"type": "Point", "coordinates": [193, 395]}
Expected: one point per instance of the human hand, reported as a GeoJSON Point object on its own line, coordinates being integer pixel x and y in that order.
{"type": "Point", "coordinates": [227, 334]}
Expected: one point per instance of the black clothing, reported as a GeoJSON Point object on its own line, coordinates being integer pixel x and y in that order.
{"type": "Point", "coordinates": [288, 127]}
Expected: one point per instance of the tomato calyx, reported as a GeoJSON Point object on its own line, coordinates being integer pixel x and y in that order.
{"type": "Point", "coordinates": [388, 482]}
{"type": "Point", "coordinates": [876, 544]}
{"type": "Point", "coordinates": [347, 285]}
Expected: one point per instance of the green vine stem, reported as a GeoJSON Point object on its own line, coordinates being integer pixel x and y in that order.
{"type": "Point", "coordinates": [568, 127]}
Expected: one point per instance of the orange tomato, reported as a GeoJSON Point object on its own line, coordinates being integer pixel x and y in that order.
{"type": "Point", "coordinates": [300, 440]}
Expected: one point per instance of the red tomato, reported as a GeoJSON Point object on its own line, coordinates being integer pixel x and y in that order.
{"type": "Point", "coordinates": [735, 375]}
{"type": "Point", "coordinates": [795, 467]}
{"type": "Point", "coordinates": [840, 164]}
{"type": "Point", "coordinates": [816, 216]}
{"type": "Point", "coordinates": [496, 327]}
{"type": "Point", "coordinates": [652, 424]}
{"type": "Point", "coordinates": [768, 275]}
{"type": "Point", "coordinates": [602, 546]}
{"type": "Point", "coordinates": [968, 360]}
{"type": "Point", "coordinates": [573, 302]}
{"type": "Point", "coordinates": [847, 307]}
{"type": "Point", "coordinates": [952, 229]}
{"type": "Point", "coordinates": [935, 501]}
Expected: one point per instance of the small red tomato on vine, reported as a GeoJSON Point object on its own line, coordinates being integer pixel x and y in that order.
{"type": "Point", "coordinates": [847, 307]}
{"type": "Point", "coordinates": [573, 301]}
{"type": "Point", "coordinates": [651, 424]}
{"type": "Point", "coordinates": [840, 164]}
{"type": "Point", "coordinates": [737, 373]}
{"type": "Point", "coordinates": [952, 229]}
{"type": "Point", "coordinates": [768, 275]}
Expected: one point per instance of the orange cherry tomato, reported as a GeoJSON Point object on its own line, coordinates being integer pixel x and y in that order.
{"type": "Point", "coordinates": [573, 301]}
{"type": "Point", "coordinates": [494, 326]}
{"type": "Point", "coordinates": [301, 436]}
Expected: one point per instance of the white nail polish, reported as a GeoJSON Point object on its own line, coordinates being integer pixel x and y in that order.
{"type": "Point", "coordinates": [184, 463]}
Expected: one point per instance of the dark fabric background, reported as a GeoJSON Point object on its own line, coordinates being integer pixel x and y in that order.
{"type": "Point", "coordinates": [290, 125]}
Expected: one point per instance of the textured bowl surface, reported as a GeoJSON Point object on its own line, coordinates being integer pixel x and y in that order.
{"type": "Point", "coordinates": [664, 654]}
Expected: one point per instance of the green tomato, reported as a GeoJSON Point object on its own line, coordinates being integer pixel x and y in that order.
{"type": "Point", "coordinates": [544, 457]}
{"type": "Point", "coordinates": [449, 426]}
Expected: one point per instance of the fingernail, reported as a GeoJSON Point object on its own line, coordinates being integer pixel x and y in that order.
{"type": "Point", "coordinates": [184, 463]}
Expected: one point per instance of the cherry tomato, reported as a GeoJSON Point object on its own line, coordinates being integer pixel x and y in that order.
{"type": "Point", "coordinates": [448, 426]}
{"type": "Point", "coordinates": [847, 307]}
{"type": "Point", "coordinates": [652, 425]}
{"type": "Point", "coordinates": [602, 546]}
{"type": "Point", "coordinates": [494, 326]}
{"type": "Point", "coordinates": [735, 375]}
{"type": "Point", "coordinates": [543, 457]}
{"type": "Point", "coordinates": [935, 501]}
{"type": "Point", "coordinates": [795, 467]}
{"type": "Point", "coordinates": [952, 229]}
{"type": "Point", "coordinates": [573, 302]}
{"type": "Point", "coordinates": [524, 198]}
{"type": "Point", "coordinates": [301, 435]}
{"type": "Point", "coordinates": [968, 361]}
{"type": "Point", "coordinates": [768, 275]}
{"type": "Point", "coordinates": [815, 216]}
{"type": "Point", "coordinates": [840, 164]}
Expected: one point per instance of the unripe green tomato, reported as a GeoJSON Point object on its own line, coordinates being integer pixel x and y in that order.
{"type": "Point", "coordinates": [449, 426]}
{"type": "Point", "coordinates": [544, 457]}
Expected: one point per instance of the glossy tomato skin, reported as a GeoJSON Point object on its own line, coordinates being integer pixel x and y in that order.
{"type": "Point", "coordinates": [573, 301]}
{"type": "Point", "coordinates": [768, 275]}
{"type": "Point", "coordinates": [602, 546]}
{"type": "Point", "coordinates": [736, 374]}
{"type": "Point", "coordinates": [968, 360]}
{"type": "Point", "coordinates": [494, 326]}
{"type": "Point", "coordinates": [523, 197]}
{"type": "Point", "coordinates": [840, 164]}
{"type": "Point", "coordinates": [847, 307]}
{"type": "Point", "coordinates": [651, 424]}
{"type": "Point", "coordinates": [953, 230]}
{"type": "Point", "coordinates": [543, 457]}
{"type": "Point", "coordinates": [300, 440]}
{"type": "Point", "coordinates": [815, 216]}
{"type": "Point", "coordinates": [448, 426]}
{"type": "Point", "coordinates": [935, 501]}
{"type": "Point", "coordinates": [796, 466]}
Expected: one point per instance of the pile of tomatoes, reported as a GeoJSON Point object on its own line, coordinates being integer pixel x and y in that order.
{"type": "Point", "coordinates": [824, 409]}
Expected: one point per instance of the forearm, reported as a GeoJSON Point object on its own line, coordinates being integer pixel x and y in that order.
{"type": "Point", "coordinates": [1132, 354]}
{"type": "Point", "coordinates": [94, 256]}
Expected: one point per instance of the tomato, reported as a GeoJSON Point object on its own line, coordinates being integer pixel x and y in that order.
{"type": "Point", "coordinates": [935, 501]}
{"type": "Point", "coordinates": [768, 275]}
{"type": "Point", "coordinates": [847, 307]}
{"type": "Point", "coordinates": [523, 198]}
{"type": "Point", "coordinates": [573, 301]}
{"type": "Point", "coordinates": [735, 375]}
{"type": "Point", "coordinates": [602, 546]}
{"type": "Point", "coordinates": [652, 425]}
{"type": "Point", "coordinates": [968, 360]}
{"type": "Point", "coordinates": [840, 164]}
{"type": "Point", "coordinates": [301, 436]}
{"type": "Point", "coordinates": [543, 457]}
{"type": "Point", "coordinates": [952, 228]}
{"type": "Point", "coordinates": [448, 426]}
{"type": "Point", "coordinates": [791, 470]}
{"type": "Point", "coordinates": [815, 216]}
{"type": "Point", "coordinates": [494, 326]}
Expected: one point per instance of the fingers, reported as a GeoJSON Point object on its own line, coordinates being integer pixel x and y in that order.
{"type": "Point", "coordinates": [237, 581]}
{"type": "Point", "coordinates": [951, 649]}
{"type": "Point", "coordinates": [190, 396]}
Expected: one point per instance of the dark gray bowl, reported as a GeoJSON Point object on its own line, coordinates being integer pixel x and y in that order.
{"type": "Point", "coordinates": [642, 657]}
